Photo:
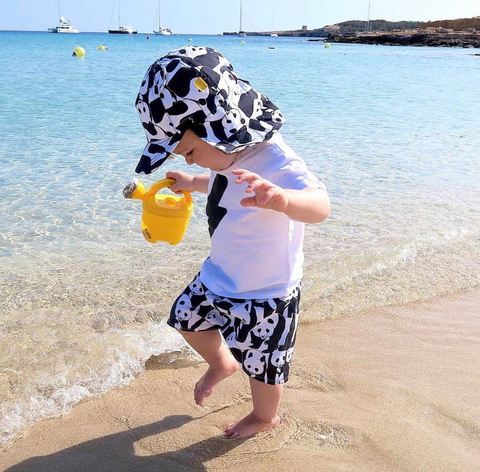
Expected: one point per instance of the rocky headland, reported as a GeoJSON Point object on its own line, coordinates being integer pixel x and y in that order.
{"type": "Point", "coordinates": [463, 32]}
{"type": "Point", "coordinates": [463, 39]}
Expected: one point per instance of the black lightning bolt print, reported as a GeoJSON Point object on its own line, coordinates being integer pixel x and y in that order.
{"type": "Point", "coordinates": [215, 212]}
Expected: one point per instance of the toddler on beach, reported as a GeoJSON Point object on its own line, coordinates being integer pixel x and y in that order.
{"type": "Point", "coordinates": [241, 309]}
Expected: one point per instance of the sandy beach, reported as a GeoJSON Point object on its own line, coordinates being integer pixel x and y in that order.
{"type": "Point", "coordinates": [397, 389]}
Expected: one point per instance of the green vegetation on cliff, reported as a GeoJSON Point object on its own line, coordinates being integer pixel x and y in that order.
{"type": "Point", "coordinates": [358, 26]}
{"type": "Point", "coordinates": [456, 25]}
{"type": "Point", "coordinates": [354, 26]}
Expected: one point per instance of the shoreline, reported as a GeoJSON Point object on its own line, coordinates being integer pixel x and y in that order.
{"type": "Point", "coordinates": [461, 39]}
{"type": "Point", "coordinates": [410, 38]}
{"type": "Point", "coordinates": [391, 389]}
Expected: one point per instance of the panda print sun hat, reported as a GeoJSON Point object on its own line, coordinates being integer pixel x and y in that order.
{"type": "Point", "coordinates": [196, 88]}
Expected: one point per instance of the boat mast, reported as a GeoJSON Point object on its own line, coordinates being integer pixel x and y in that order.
{"type": "Point", "coordinates": [159, 23]}
{"type": "Point", "coordinates": [240, 17]}
{"type": "Point", "coordinates": [118, 3]}
{"type": "Point", "coordinates": [368, 26]}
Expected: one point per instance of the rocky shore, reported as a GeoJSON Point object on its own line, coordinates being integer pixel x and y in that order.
{"type": "Point", "coordinates": [463, 39]}
{"type": "Point", "coordinates": [462, 32]}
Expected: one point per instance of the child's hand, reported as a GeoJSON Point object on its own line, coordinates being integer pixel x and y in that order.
{"type": "Point", "coordinates": [267, 195]}
{"type": "Point", "coordinates": [183, 181]}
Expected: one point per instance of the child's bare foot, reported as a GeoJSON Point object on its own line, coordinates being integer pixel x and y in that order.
{"type": "Point", "coordinates": [214, 375]}
{"type": "Point", "coordinates": [249, 426]}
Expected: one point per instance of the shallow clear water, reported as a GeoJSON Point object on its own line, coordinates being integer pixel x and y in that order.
{"type": "Point", "coordinates": [393, 132]}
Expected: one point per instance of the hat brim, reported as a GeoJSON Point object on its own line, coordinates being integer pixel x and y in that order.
{"type": "Point", "coordinates": [154, 155]}
{"type": "Point", "coordinates": [157, 152]}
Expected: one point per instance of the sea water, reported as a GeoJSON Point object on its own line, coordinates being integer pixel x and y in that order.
{"type": "Point", "coordinates": [393, 132]}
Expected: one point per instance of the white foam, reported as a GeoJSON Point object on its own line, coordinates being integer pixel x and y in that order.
{"type": "Point", "coordinates": [50, 396]}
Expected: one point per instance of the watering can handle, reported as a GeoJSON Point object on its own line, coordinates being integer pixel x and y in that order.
{"type": "Point", "coordinates": [155, 187]}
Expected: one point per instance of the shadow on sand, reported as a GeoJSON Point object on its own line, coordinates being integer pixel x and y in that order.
{"type": "Point", "coordinates": [115, 453]}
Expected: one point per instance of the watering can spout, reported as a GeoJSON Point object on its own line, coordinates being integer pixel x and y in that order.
{"type": "Point", "coordinates": [135, 190]}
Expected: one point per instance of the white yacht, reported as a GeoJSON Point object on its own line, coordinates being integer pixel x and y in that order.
{"type": "Point", "coordinates": [162, 30]}
{"type": "Point", "coordinates": [121, 29]}
{"type": "Point", "coordinates": [64, 26]}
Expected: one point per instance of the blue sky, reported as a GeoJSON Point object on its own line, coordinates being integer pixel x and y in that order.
{"type": "Point", "coordinates": [216, 16]}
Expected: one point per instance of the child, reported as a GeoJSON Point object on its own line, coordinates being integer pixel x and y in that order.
{"type": "Point", "coordinates": [242, 307]}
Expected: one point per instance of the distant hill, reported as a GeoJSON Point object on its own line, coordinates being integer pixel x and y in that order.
{"type": "Point", "coordinates": [353, 26]}
{"type": "Point", "coordinates": [457, 25]}
{"type": "Point", "coordinates": [464, 33]}
{"type": "Point", "coordinates": [358, 26]}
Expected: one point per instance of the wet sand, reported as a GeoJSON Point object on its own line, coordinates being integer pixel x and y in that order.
{"type": "Point", "coordinates": [393, 390]}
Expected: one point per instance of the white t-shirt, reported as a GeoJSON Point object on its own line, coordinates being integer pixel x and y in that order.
{"type": "Point", "coordinates": [255, 253]}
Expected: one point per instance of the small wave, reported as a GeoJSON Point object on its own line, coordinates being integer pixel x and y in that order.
{"type": "Point", "coordinates": [119, 359]}
{"type": "Point", "coordinates": [422, 268]}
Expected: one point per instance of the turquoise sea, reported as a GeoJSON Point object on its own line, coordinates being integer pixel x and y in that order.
{"type": "Point", "coordinates": [393, 132]}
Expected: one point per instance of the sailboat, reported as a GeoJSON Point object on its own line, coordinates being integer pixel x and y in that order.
{"type": "Point", "coordinates": [240, 31]}
{"type": "Point", "coordinates": [121, 29]}
{"type": "Point", "coordinates": [273, 34]}
{"type": "Point", "coordinates": [162, 30]}
{"type": "Point", "coordinates": [64, 25]}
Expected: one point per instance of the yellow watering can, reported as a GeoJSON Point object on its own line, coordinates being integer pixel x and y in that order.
{"type": "Point", "coordinates": [164, 217]}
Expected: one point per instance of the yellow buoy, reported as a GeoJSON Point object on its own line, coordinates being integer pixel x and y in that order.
{"type": "Point", "coordinates": [101, 47]}
{"type": "Point", "coordinates": [242, 41]}
{"type": "Point", "coordinates": [78, 52]}
{"type": "Point", "coordinates": [327, 45]}
{"type": "Point", "coordinates": [190, 39]}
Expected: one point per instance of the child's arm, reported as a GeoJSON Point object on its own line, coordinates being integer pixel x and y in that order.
{"type": "Point", "coordinates": [184, 181]}
{"type": "Point", "coordinates": [310, 205]}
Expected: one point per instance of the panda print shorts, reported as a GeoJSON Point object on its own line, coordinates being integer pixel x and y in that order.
{"type": "Point", "coordinates": [259, 333]}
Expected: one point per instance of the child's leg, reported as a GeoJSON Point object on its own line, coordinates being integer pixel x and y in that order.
{"type": "Point", "coordinates": [210, 345]}
{"type": "Point", "coordinates": [266, 401]}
